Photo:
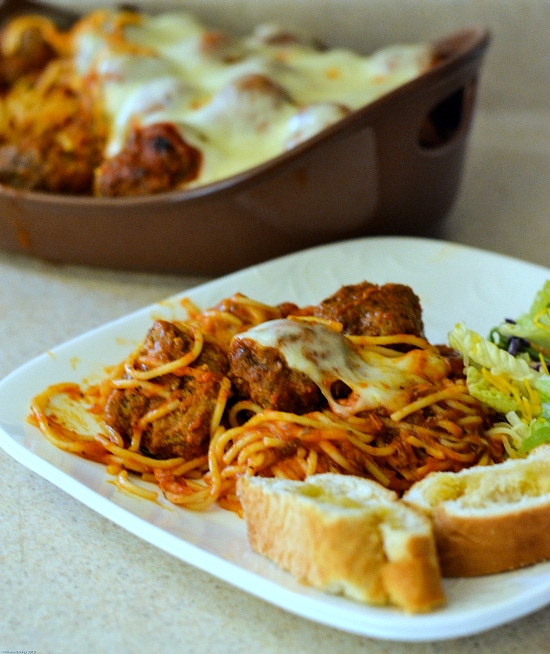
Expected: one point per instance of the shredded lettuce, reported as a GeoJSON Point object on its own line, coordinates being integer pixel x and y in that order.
{"type": "Point", "coordinates": [508, 383]}
{"type": "Point", "coordinates": [533, 326]}
{"type": "Point", "coordinates": [482, 353]}
{"type": "Point", "coordinates": [488, 394]}
{"type": "Point", "coordinates": [539, 434]}
{"type": "Point", "coordinates": [543, 387]}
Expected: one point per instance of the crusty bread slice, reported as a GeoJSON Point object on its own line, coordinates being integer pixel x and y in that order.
{"type": "Point", "coordinates": [489, 519]}
{"type": "Point", "coordinates": [345, 535]}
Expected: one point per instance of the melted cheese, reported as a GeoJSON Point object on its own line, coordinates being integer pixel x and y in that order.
{"type": "Point", "coordinates": [162, 69]}
{"type": "Point", "coordinates": [325, 356]}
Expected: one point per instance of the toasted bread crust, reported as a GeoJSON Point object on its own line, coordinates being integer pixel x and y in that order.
{"type": "Point", "coordinates": [413, 580]}
{"type": "Point", "coordinates": [375, 550]}
{"type": "Point", "coordinates": [471, 546]}
{"type": "Point", "coordinates": [489, 520]}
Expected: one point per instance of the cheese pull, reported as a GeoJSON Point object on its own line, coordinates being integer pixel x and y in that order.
{"type": "Point", "coordinates": [325, 356]}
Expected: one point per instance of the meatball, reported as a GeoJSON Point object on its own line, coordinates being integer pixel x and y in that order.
{"type": "Point", "coordinates": [123, 410]}
{"type": "Point", "coordinates": [262, 375]}
{"type": "Point", "coordinates": [372, 310]}
{"type": "Point", "coordinates": [184, 431]}
{"type": "Point", "coordinates": [165, 342]}
{"type": "Point", "coordinates": [154, 159]}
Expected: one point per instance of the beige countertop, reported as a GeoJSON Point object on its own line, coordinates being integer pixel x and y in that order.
{"type": "Point", "coordinates": [71, 581]}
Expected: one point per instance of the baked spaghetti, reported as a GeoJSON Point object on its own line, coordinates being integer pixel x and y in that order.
{"type": "Point", "coordinates": [126, 103]}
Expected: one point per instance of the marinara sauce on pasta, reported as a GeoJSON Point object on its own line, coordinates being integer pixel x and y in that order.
{"type": "Point", "coordinates": [350, 385]}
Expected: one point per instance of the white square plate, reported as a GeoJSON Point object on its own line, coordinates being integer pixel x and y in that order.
{"type": "Point", "coordinates": [454, 283]}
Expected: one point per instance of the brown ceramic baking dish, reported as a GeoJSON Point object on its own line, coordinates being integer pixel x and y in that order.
{"type": "Point", "coordinates": [392, 167]}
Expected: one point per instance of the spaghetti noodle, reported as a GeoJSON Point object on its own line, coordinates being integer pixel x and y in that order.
{"type": "Point", "coordinates": [178, 411]}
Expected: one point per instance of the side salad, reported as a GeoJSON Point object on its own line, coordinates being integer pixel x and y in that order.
{"type": "Point", "coordinates": [509, 371]}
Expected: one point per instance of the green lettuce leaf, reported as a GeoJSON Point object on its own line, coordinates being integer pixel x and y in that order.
{"type": "Point", "coordinates": [535, 324]}
{"type": "Point", "coordinates": [481, 353]}
{"type": "Point", "coordinates": [539, 434]}
{"type": "Point", "coordinates": [512, 387]}
{"type": "Point", "coordinates": [487, 393]}
{"type": "Point", "coordinates": [507, 383]}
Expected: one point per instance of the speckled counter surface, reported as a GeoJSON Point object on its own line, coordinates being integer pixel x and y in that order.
{"type": "Point", "coordinates": [71, 581]}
